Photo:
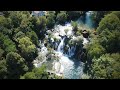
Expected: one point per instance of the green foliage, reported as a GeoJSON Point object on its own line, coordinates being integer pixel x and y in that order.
{"type": "Point", "coordinates": [34, 21]}
{"type": "Point", "coordinates": [79, 32]}
{"type": "Point", "coordinates": [26, 13]}
{"type": "Point", "coordinates": [1, 53]}
{"type": "Point", "coordinates": [17, 17]}
{"type": "Point", "coordinates": [110, 40]}
{"type": "Point", "coordinates": [34, 38]}
{"type": "Point", "coordinates": [18, 35]}
{"type": "Point", "coordinates": [102, 49]}
{"type": "Point", "coordinates": [71, 43]}
{"type": "Point", "coordinates": [6, 13]}
{"type": "Point", "coordinates": [5, 25]}
{"type": "Point", "coordinates": [18, 41]}
{"type": "Point", "coordinates": [36, 73]}
{"type": "Point", "coordinates": [51, 20]}
{"type": "Point", "coordinates": [85, 76]}
{"type": "Point", "coordinates": [28, 75]}
{"type": "Point", "coordinates": [39, 25]}
{"type": "Point", "coordinates": [6, 31]}
{"type": "Point", "coordinates": [40, 73]}
{"type": "Point", "coordinates": [26, 25]}
{"type": "Point", "coordinates": [95, 50]}
{"type": "Point", "coordinates": [117, 13]}
{"type": "Point", "coordinates": [16, 65]}
{"type": "Point", "coordinates": [42, 23]}
{"type": "Point", "coordinates": [73, 15]}
{"type": "Point", "coordinates": [75, 26]}
{"type": "Point", "coordinates": [7, 44]}
{"type": "Point", "coordinates": [106, 67]}
{"type": "Point", "coordinates": [5, 22]}
{"type": "Point", "coordinates": [27, 49]}
{"type": "Point", "coordinates": [98, 15]}
{"type": "Point", "coordinates": [110, 22]}
{"type": "Point", "coordinates": [61, 17]}
{"type": "Point", "coordinates": [109, 33]}
{"type": "Point", "coordinates": [3, 69]}
{"type": "Point", "coordinates": [78, 41]}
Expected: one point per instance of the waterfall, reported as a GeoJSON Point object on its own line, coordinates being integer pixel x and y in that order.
{"type": "Point", "coordinates": [66, 67]}
{"type": "Point", "coordinates": [71, 51]}
{"type": "Point", "coordinates": [43, 49]}
{"type": "Point", "coordinates": [85, 41]}
{"type": "Point", "coordinates": [61, 45]}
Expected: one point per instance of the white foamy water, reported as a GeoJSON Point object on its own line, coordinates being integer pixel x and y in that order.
{"type": "Point", "coordinates": [67, 68]}
{"type": "Point", "coordinates": [85, 41]}
{"type": "Point", "coordinates": [60, 30]}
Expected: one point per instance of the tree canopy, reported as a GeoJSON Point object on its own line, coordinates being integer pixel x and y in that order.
{"type": "Point", "coordinates": [16, 65]}
{"type": "Point", "coordinates": [106, 67]}
{"type": "Point", "coordinates": [27, 48]}
{"type": "Point", "coordinates": [26, 40]}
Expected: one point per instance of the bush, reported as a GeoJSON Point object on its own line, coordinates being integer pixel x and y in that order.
{"type": "Point", "coordinates": [61, 17]}
{"type": "Point", "coordinates": [16, 65]}
{"type": "Point", "coordinates": [110, 22]}
{"type": "Point", "coordinates": [106, 67]}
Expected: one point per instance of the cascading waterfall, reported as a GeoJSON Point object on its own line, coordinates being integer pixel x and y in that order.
{"type": "Point", "coordinates": [71, 51]}
{"type": "Point", "coordinates": [61, 45]}
{"type": "Point", "coordinates": [72, 69]}
{"type": "Point", "coordinates": [69, 68]}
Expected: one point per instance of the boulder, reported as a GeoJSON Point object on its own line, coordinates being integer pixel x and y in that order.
{"type": "Point", "coordinates": [85, 33]}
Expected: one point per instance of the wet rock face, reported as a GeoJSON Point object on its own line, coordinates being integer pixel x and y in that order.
{"type": "Point", "coordinates": [80, 52]}
{"type": "Point", "coordinates": [85, 33]}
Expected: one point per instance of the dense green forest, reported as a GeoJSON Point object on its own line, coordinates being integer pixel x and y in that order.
{"type": "Point", "coordinates": [23, 34]}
